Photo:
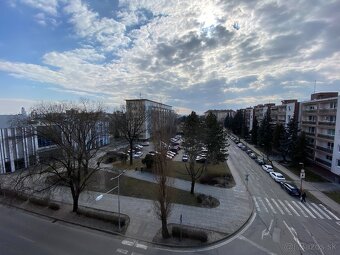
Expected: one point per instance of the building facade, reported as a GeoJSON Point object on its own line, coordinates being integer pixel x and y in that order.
{"type": "Point", "coordinates": [221, 114]}
{"type": "Point", "coordinates": [282, 114]}
{"type": "Point", "coordinates": [320, 120]}
{"type": "Point", "coordinates": [260, 111]}
{"type": "Point", "coordinates": [147, 109]}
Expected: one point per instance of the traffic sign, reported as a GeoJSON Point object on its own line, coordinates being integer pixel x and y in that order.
{"type": "Point", "coordinates": [302, 174]}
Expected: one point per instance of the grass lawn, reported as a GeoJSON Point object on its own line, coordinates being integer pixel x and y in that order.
{"type": "Point", "coordinates": [137, 188]}
{"type": "Point", "coordinates": [310, 176]}
{"type": "Point", "coordinates": [335, 195]}
{"type": "Point", "coordinates": [177, 170]}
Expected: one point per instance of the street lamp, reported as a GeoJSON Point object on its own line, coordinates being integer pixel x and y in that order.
{"type": "Point", "coordinates": [302, 176]}
{"type": "Point", "coordinates": [114, 188]}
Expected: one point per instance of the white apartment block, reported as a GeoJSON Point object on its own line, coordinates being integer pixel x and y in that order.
{"type": "Point", "coordinates": [320, 120]}
{"type": "Point", "coordinates": [282, 114]}
{"type": "Point", "coordinates": [145, 107]}
{"type": "Point", "coordinates": [220, 114]}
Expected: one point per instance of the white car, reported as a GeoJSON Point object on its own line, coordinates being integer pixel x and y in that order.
{"type": "Point", "coordinates": [278, 177]}
{"type": "Point", "coordinates": [267, 168]}
{"type": "Point", "coordinates": [137, 154]}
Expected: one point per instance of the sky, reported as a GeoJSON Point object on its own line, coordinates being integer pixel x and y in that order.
{"type": "Point", "coordinates": [193, 55]}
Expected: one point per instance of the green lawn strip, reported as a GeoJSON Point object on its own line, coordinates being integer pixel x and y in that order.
{"type": "Point", "coordinates": [334, 195]}
{"type": "Point", "coordinates": [310, 175]}
{"type": "Point", "coordinates": [137, 188]}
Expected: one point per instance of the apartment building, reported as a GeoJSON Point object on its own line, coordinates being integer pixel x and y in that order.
{"type": "Point", "coordinates": [320, 120]}
{"type": "Point", "coordinates": [282, 114]}
{"type": "Point", "coordinates": [146, 108]}
{"type": "Point", "coordinates": [260, 110]}
{"type": "Point", "coordinates": [221, 114]}
{"type": "Point", "coordinates": [249, 117]}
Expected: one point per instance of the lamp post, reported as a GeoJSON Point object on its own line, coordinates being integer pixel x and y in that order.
{"type": "Point", "coordinates": [302, 176]}
{"type": "Point", "coordinates": [118, 193]}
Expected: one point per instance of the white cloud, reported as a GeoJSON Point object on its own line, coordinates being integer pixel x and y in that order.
{"type": "Point", "coordinates": [48, 6]}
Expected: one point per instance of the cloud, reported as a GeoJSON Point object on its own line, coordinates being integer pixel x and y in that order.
{"type": "Point", "coordinates": [47, 6]}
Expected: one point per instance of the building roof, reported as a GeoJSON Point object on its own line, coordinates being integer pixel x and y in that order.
{"type": "Point", "coordinates": [143, 99]}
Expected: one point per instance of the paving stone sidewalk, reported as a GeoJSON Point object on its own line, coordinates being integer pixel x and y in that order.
{"type": "Point", "coordinates": [234, 210]}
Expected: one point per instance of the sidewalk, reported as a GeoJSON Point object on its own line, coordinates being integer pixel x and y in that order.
{"type": "Point", "coordinates": [311, 187]}
{"type": "Point", "coordinates": [232, 213]}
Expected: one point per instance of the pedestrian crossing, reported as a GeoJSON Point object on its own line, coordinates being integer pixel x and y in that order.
{"type": "Point", "coordinates": [293, 208]}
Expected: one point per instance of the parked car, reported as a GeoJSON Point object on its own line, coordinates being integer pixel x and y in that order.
{"type": "Point", "coordinates": [240, 145]}
{"type": "Point", "coordinates": [278, 177]}
{"type": "Point", "coordinates": [138, 147]}
{"type": "Point", "coordinates": [185, 158]}
{"type": "Point", "coordinates": [290, 188]}
{"type": "Point", "coordinates": [137, 154]}
{"type": "Point", "coordinates": [200, 159]}
{"type": "Point", "coordinates": [259, 161]}
{"type": "Point", "coordinates": [252, 155]}
{"type": "Point", "coordinates": [244, 148]}
{"type": "Point", "coordinates": [173, 154]}
{"type": "Point", "coordinates": [267, 168]}
{"type": "Point", "coordinates": [249, 151]}
{"type": "Point", "coordinates": [145, 143]}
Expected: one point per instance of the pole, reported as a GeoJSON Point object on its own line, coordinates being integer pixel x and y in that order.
{"type": "Point", "coordinates": [118, 205]}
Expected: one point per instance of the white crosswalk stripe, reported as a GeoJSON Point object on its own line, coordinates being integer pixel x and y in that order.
{"type": "Point", "coordinates": [284, 207]}
{"type": "Point", "coordinates": [281, 211]}
{"type": "Point", "coordinates": [301, 211]}
{"type": "Point", "coordinates": [270, 205]}
{"type": "Point", "coordinates": [256, 204]}
{"type": "Point", "coordinates": [315, 212]}
{"type": "Point", "coordinates": [321, 211]}
{"type": "Point", "coordinates": [306, 209]}
{"type": "Point", "coordinates": [292, 208]}
{"type": "Point", "coordinates": [329, 212]}
{"type": "Point", "coordinates": [265, 207]}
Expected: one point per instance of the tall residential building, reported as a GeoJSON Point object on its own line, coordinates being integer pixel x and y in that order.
{"type": "Point", "coordinates": [320, 120]}
{"type": "Point", "coordinates": [221, 114]}
{"type": "Point", "coordinates": [260, 111]}
{"type": "Point", "coordinates": [285, 112]}
{"type": "Point", "coordinates": [145, 107]}
{"type": "Point", "coordinates": [249, 116]}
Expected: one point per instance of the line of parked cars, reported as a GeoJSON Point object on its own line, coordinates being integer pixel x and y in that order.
{"type": "Point", "coordinates": [291, 189]}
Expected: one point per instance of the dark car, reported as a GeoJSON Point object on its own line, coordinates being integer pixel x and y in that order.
{"type": "Point", "coordinates": [259, 161]}
{"type": "Point", "coordinates": [291, 189]}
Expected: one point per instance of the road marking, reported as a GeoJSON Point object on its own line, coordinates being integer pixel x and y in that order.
{"type": "Point", "coordinates": [329, 212]}
{"type": "Point", "coordinates": [324, 214]}
{"type": "Point", "coordinates": [129, 243]}
{"type": "Point", "coordinates": [27, 239]}
{"type": "Point", "coordinates": [266, 231]}
{"type": "Point", "coordinates": [294, 234]}
{"type": "Point", "coordinates": [265, 207]}
{"type": "Point", "coordinates": [284, 207]}
{"type": "Point", "coordinates": [281, 211]}
{"type": "Point", "coordinates": [297, 206]}
{"type": "Point", "coordinates": [122, 251]}
{"type": "Point", "coordinates": [291, 207]}
{"type": "Point", "coordinates": [256, 204]}
{"type": "Point", "coordinates": [270, 205]}
{"type": "Point", "coordinates": [256, 245]}
{"type": "Point", "coordinates": [309, 212]}
{"type": "Point", "coordinates": [141, 246]}
{"type": "Point", "coordinates": [135, 253]}
{"type": "Point", "coordinates": [317, 214]}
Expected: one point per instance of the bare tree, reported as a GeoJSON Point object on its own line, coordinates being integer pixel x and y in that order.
{"type": "Point", "coordinates": [73, 136]}
{"type": "Point", "coordinates": [162, 126]}
{"type": "Point", "coordinates": [131, 124]}
{"type": "Point", "coordinates": [193, 140]}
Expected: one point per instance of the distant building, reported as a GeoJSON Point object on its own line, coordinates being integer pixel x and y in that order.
{"type": "Point", "coordinates": [320, 120]}
{"type": "Point", "coordinates": [249, 117]}
{"type": "Point", "coordinates": [282, 114]}
{"type": "Point", "coordinates": [145, 108]}
{"type": "Point", "coordinates": [221, 114]}
{"type": "Point", "coordinates": [260, 111]}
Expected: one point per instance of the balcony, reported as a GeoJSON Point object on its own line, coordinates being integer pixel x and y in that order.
{"type": "Point", "coordinates": [330, 137]}
{"type": "Point", "coordinates": [324, 162]}
{"type": "Point", "coordinates": [328, 150]}
{"type": "Point", "coordinates": [309, 122]}
{"type": "Point", "coordinates": [309, 110]}
{"type": "Point", "coordinates": [327, 111]}
{"type": "Point", "coordinates": [310, 134]}
{"type": "Point", "coordinates": [326, 123]}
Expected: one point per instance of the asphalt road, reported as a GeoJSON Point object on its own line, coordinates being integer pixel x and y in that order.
{"type": "Point", "coordinates": [280, 225]}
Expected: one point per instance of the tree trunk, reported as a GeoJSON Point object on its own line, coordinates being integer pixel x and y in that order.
{"type": "Point", "coordinates": [165, 231]}
{"type": "Point", "coordinates": [131, 161]}
{"type": "Point", "coordinates": [75, 203]}
{"type": "Point", "coordinates": [192, 186]}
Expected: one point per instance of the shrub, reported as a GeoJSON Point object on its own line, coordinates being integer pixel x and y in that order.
{"type": "Point", "coordinates": [39, 201]}
{"type": "Point", "coordinates": [194, 234]}
{"type": "Point", "coordinates": [54, 206]}
{"type": "Point", "coordinates": [101, 215]}
{"type": "Point", "coordinates": [148, 161]}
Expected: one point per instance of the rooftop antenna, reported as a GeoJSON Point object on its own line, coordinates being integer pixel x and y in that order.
{"type": "Point", "coordinates": [314, 86]}
{"type": "Point", "coordinates": [140, 95]}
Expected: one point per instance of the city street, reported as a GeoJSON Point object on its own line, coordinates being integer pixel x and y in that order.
{"type": "Point", "coordinates": [280, 225]}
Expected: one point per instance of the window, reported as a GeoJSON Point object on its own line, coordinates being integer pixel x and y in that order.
{"type": "Point", "coordinates": [311, 130]}
{"type": "Point", "coordinates": [289, 108]}
{"type": "Point", "coordinates": [329, 157]}
{"type": "Point", "coordinates": [338, 162]}
{"type": "Point", "coordinates": [330, 145]}
{"type": "Point", "coordinates": [332, 105]}
{"type": "Point", "coordinates": [311, 118]}
{"type": "Point", "coordinates": [331, 132]}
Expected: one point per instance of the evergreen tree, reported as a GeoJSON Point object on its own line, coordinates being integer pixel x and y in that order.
{"type": "Point", "coordinates": [277, 136]}
{"type": "Point", "coordinates": [254, 131]}
{"type": "Point", "coordinates": [293, 130]}
{"type": "Point", "coordinates": [215, 137]}
{"type": "Point", "coordinates": [237, 123]}
{"type": "Point", "coordinates": [284, 143]}
{"type": "Point", "coordinates": [300, 149]}
{"type": "Point", "coordinates": [265, 133]}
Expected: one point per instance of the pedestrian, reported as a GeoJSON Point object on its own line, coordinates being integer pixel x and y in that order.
{"type": "Point", "coordinates": [303, 197]}
{"type": "Point", "coordinates": [98, 164]}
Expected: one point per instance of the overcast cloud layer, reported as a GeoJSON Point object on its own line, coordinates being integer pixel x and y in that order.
{"type": "Point", "coordinates": [193, 55]}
